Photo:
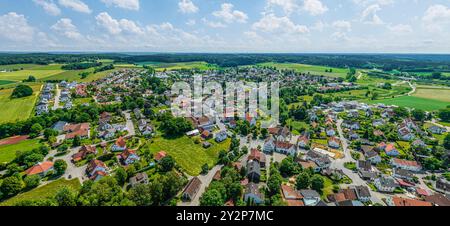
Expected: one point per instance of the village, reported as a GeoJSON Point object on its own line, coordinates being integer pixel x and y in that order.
{"type": "Point", "coordinates": [349, 154]}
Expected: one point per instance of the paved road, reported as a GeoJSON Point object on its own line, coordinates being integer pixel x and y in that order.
{"type": "Point", "coordinates": [437, 124]}
{"type": "Point", "coordinates": [130, 124]}
{"type": "Point", "coordinates": [72, 171]}
{"type": "Point", "coordinates": [206, 180]}
{"type": "Point", "coordinates": [57, 97]}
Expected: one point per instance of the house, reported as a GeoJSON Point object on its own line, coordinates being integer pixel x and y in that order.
{"type": "Point", "coordinates": [437, 130]}
{"type": "Point", "coordinates": [206, 135]}
{"type": "Point", "coordinates": [206, 145]}
{"type": "Point", "coordinates": [406, 165]}
{"type": "Point", "coordinates": [138, 114]}
{"type": "Point", "coordinates": [253, 171]}
{"type": "Point", "coordinates": [285, 148]}
{"type": "Point", "coordinates": [350, 203]}
{"type": "Point", "coordinates": [438, 200]}
{"type": "Point", "coordinates": [370, 154]}
{"type": "Point", "coordinates": [303, 141]}
{"type": "Point", "coordinates": [119, 145]}
{"type": "Point", "coordinates": [378, 122]}
{"type": "Point", "coordinates": [191, 189]}
{"type": "Point", "coordinates": [250, 120]}
{"type": "Point", "coordinates": [363, 193]}
{"type": "Point", "coordinates": [41, 169]}
{"type": "Point", "coordinates": [59, 126]}
{"type": "Point", "coordinates": [105, 117]}
{"type": "Point", "coordinates": [330, 131]}
{"type": "Point", "coordinates": [81, 130]}
{"type": "Point", "coordinates": [160, 155]}
{"type": "Point", "coordinates": [405, 134]}
{"type": "Point", "coordinates": [221, 136]}
{"type": "Point", "coordinates": [252, 194]}
{"type": "Point", "coordinates": [128, 157]}
{"type": "Point", "coordinates": [142, 124]}
{"type": "Point", "coordinates": [193, 133]}
{"type": "Point", "coordinates": [418, 143]}
{"type": "Point", "coordinates": [292, 196]}
{"type": "Point", "coordinates": [385, 184]}
{"type": "Point", "coordinates": [322, 161]}
{"type": "Point", "coordinates": [96, 170]}
{"type": "Point", "coordinates": [399, 201]}
{"type": "Point", "coordinates": [140, 178]}
{"type": "Point", "coordinates": [391, 150]}
{"type": "Point", "coordinates": [309, 165]}
{"type": "Point", "coordinates": [351, 125]}
{"type": "Point", "coordinates": [84, 151]}
{"type": "Point", "coordinates": [310, 197]}
{"type": "Point", "coordinates": [256, 155]}
{"type": "Point", "coordinates": [403, 174]}
{"type": "Point", "coordinates": [364, 166]}
{"type": "Point", "coordinates": [41, 109]}
{"type": "Point", "coordinates": [352, 135]}
{"type": "Point", "coordinates": [284, 135]}
{"type": "Point", "coordinates": [269, 145]}
{"type": "Point", "coordinates": [334, 142]}
{"type": "Point", "coordinates": [443, 185]}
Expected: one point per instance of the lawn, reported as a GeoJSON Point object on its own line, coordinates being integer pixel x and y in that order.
{"type": "Point", "coordinates": [414, 102]}
{"type": "Point", "coordinates": [313, 69]}
{"type": "Point", "coordinates": [190, 156]}
{"type": "Point", "coordinates": [297, 126]}
{"type": "Point", "coordinates": [8, 152]}
{"type": "Point", "coordinates": [327, 187]}
{"type": "Point", "coordinates": [81, 101]}
{"type": "Point", "coordinates": [12, 110]}
{"type": "Point", "coordinates": [434, 94]}
{"type": "Point", "coordinates": [45, 191]}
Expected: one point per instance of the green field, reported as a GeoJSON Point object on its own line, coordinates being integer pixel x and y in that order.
{"type": "Point", "coordinates": [6, 82]}
{"type": "Point", "coordinates": [190, 156]}
{"type": "Point", "coordinates": [46, 191]}
{"type": "Point", "coordinates": [75, 75]}
{"type": "Point", "coordinates": [178, 66]}
{"type": "Point", "coordinates": [433, 93]}
{"type": "Point", "coordinates": [8, 152]}
{"type": "Point", "coordinates": [316, 70]}
{"type": "Point", "coordinates": [12, 110]}
{"type": "Point", "coordinates": [38, 71]}
{"type": "Point", "coordinates": [413, 102]}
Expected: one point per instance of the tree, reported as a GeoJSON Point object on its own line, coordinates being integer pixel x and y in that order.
{"type": "Point", "coordinates": [60, 166]}
{"type": "Point", "coordinates": [141, 195]}
{"type": "Point", "coordinates": [66, 197]}
{"type": "Point", "coordinates": [401, 112]}
{"type": "Point", "coordinates": [11, 186]}
{"type": "Point", "coordinates": [447, 142]}
{"type": "Point", "coordinates": [418, 114]}
{"type": "Point", "coordinates": [22, 91]}
{"type": "Point", "coordinates": [12, 169]}
{"type": "Point", "coordinates": [445, 115]}
{"type": "Point", "coordinates": [436, 75]}
{"type": "Point", "coordinates": [303, 181]}
{"type": "Point", "coordinates": [50, 133]}
{"type": "Point", "coordinates": [30, 78]}
{"type": "Point", "coordinates": [76, 141]}
{"type": "Point", "coordinates": [287, 167]}
{"type": "Point", "coordinates": [211, 197]}
{"type": "Point", "coordinates": [32, 181]}
{"type": "Point", "coordinates": [121, 176]}
{"type": "Point", "coordinates": [205, 168]}
{"type": "Point", "coordinates": [317, 183]}
{"type": "Point", "coordinates": [167, 163]}
{"type": "Point", "coordinates": [35, 130]}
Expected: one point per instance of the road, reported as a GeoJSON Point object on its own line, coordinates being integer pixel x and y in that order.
{"type": "Point", "coordinates": [376, 197]}
{"type": "Point", "coordinates": [437, 124]}
{"type": "Point", "coordinates": [72, 171]}
{"type": "Point", "coordinates": [413, 87]}
{"type": "Point", "coordinates": [130, 124]}
{"type": "Point", "coordinates": [57, 97]}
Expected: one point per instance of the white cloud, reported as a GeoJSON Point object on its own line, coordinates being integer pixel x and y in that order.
{"type": "Point", "coordinates": [229, 15]}
{"type": "Point", "coordinates": [65, 27]}
{"type": "Point", "coordinates": [272, 23]}
{"type": "Point", "coordinates": [342, 25]}
{"type": "Point", "coordinates": [314, 7]}
{"type": "Point", "coordinates": [213, 24]}
{"type": "Point", "coordinates": [14, 27]}
{"type": "Point", "coordinates": [365, 3]}
{"type": "Point", "coordinates": [370, 16]}
{"type": "Point", "coordinates": [49, 6]}
{"type": "Point", "coordinates": [76, 5]}
{"type": "Point", "coordinates": [187, 6]}
{"type": "Point", "coordinates": [436, 18]}
{"type": "Point", "coordinates": [124, 4]}
{"type": "Point", "coordinates": [191, 22]}
{"type": "Point", "coordinates": [400, 28]}
{"type": "Point", "coordinates": [288, 6]}
{"type": "Point", "coordinates": [114, 26]}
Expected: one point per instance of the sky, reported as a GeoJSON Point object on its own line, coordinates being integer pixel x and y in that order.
{"type": "Point", "coordinates": [237, 26]}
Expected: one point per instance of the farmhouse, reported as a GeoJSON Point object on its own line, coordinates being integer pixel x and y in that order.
{"type": "Point", "coordinates": [140, 178]}
{"type": "Point", "coordinates": [40, 169]}
{"type": "Point", "coordinates": [191, 189]}
{"type": "Point", "coordinates": [406, 165]}
{"type": "Point", "coordinates": [81, 130]}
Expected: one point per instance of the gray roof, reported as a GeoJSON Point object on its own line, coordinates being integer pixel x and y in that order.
{"type": "Point", "coordinates": [309, 193]}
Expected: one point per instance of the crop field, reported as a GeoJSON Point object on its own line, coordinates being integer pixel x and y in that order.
{"type": "Point", "coordinates": [317, 70]}
{"type": "Point", "coordinates": [190, 156]}
{"type": "Point", "coordinates": [46, 191]}
{"type": "Point", "coordinates": [433, 93]}
{"type": "Point", "coordinates": [38, 71]}
{"type": "Point", "coordinates": [413, 102]}
{"type": "Point", "coordinates": [178, 66]}
{"type": "Point", "coordinates": [12, 110]}
{"type": "Point", "coordinates": [8, 152]}
{"type": "Point", "coordinates": [6, 82]}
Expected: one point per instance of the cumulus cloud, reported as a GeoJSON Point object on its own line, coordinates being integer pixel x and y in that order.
{"type": "Point", "coordinates": [76, 5]}
{"type": "Point", "coordinates": [114, 26]}
{"type": "Point", "coordinates": [400, 28]}
{"type": "Point", "coordinates": [288, 6]}
{"type": "Point", "coordinates": [370, 16]}
{"type": "Point", "coordinates": [49, 6]}
{"type": "Point", "coordinates": [272, 23]}
{"type": "Point", "coordinates": [437, 17]}
{"type": "Point", "coordinates": [213, 24]}
{"type": "Point", "coordinates": [66, 28]}
{"type": "Point", "coordinates": [124, 4]}
{"type": "Point", "coordinates": [314, 7]}
{"type": "Point", "coordinates": [14, 27]}
{"type": "Point", "coordinates": [187, 6]}
{"type": "Point", "coordinates": [342, 25]}
{"type": "Point", "coordinates": [229, 15]}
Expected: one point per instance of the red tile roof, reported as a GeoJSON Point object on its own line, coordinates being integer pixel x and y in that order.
{"type": "Point", "coordinates": [121, 142]}
{"type": "Point", "coordinates": [406, 162]}
{"type": "Point", "coordinates": [73, 130]}
{"type": "Point", "coordinates": [160, 155]}
{"type": "Point", "coordinates": [39, 168]}
{"type": "Point", "coordinates": [398, 201]}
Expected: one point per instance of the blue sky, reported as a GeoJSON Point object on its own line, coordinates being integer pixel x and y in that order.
{"type": "Point", "coordinates": [348, 26]}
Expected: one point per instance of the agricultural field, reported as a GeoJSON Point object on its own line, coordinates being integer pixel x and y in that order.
{"type": "Point", "coordinates": [413, 102]}
{"type": "Point", "coordinates": [178, 66]}
{"type": "Point", "coordinates": [6, 82]}
{"type": "Point", "coordinates": [46, 191]}
{"type": "Point", "coordinates": [38, 71]}
{"type": "Point", "coordinates": [440, 94]}
{"type": "Point", "coordinates": [12, 110]}
{"type": "Point", "coordinates": [317, 70]}
{"type": "Point", "coordinates": [190, 156]}
{"type": "Point", "coordinates": [8, 152]}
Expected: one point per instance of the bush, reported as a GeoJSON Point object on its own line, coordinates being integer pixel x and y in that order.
{"type": "Point", "coordinates": [22, 91]}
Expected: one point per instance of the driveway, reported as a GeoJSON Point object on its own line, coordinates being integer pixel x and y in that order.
{"type": "Point", "coordinates": [130, 124]}
{"type": "Point", "coordinates": [206, 180]}
{"type": "Point", "coordinates": [57, 97]}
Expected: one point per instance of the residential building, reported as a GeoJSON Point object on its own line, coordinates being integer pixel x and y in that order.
{"type": "Point", "coordinates": [41, 169]}
{"type": "Point", "coordinates": [191, 189]}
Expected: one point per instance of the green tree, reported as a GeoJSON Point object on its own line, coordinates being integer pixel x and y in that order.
{"type": "Point", "coordinates": [66, 197]}
{"type": "Point", "coordinates": [35, 130]}
{"type": "Point", "coordinates": [166, 164]}
{"type": "Point", "coordinates": [50, 133]}
{"type": "Point", "coordinates": [447, 142]}
{"type": "Point", "coordinates": [121, 176]}
{"type": "Point", "coordinates": [317, 183]}
{"type": "Point", "coordinates": [445, 115]}
{"type": "Point", "coordinates": [11, 186]}
{"type": "Point", "coordinates": [418, 114]}
{"type": "Point", "coordinates": [303, 181]}
{"type": "Point", "coordinates": [22, 91]}
{"type": "Point", "coordinates": [76, 141]}
{"type": "Point", "coordinates": [287, 167]}
{"type": "Point", "coordinates": [60, 166]}
{"type": "Point", "coordinates": [205, 168]}
{"type": "Point", "coordinates": [32, 181]}
{"type": "Point", "coordinates": [211, 197]}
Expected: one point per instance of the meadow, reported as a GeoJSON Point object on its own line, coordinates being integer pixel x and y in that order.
{"type": "Point", "coordinates": [433, 93]}
{"type": "Point", "coordinates": [46, 191]}
{"type": "Point", "coordinates": [313, 69]}
{"type": "Point", "coordinates": [190, 156]}
{"type": "Point", "coordinates": [8, 152]}
{"type": "Point", "coordinates": [38, 71]}
{"type": "Point", "coordinates": [12, 110]}
{"type": "Point", "coordinates": [179, 66]}
{"type": "Point", "coordinates": [413, 102]}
